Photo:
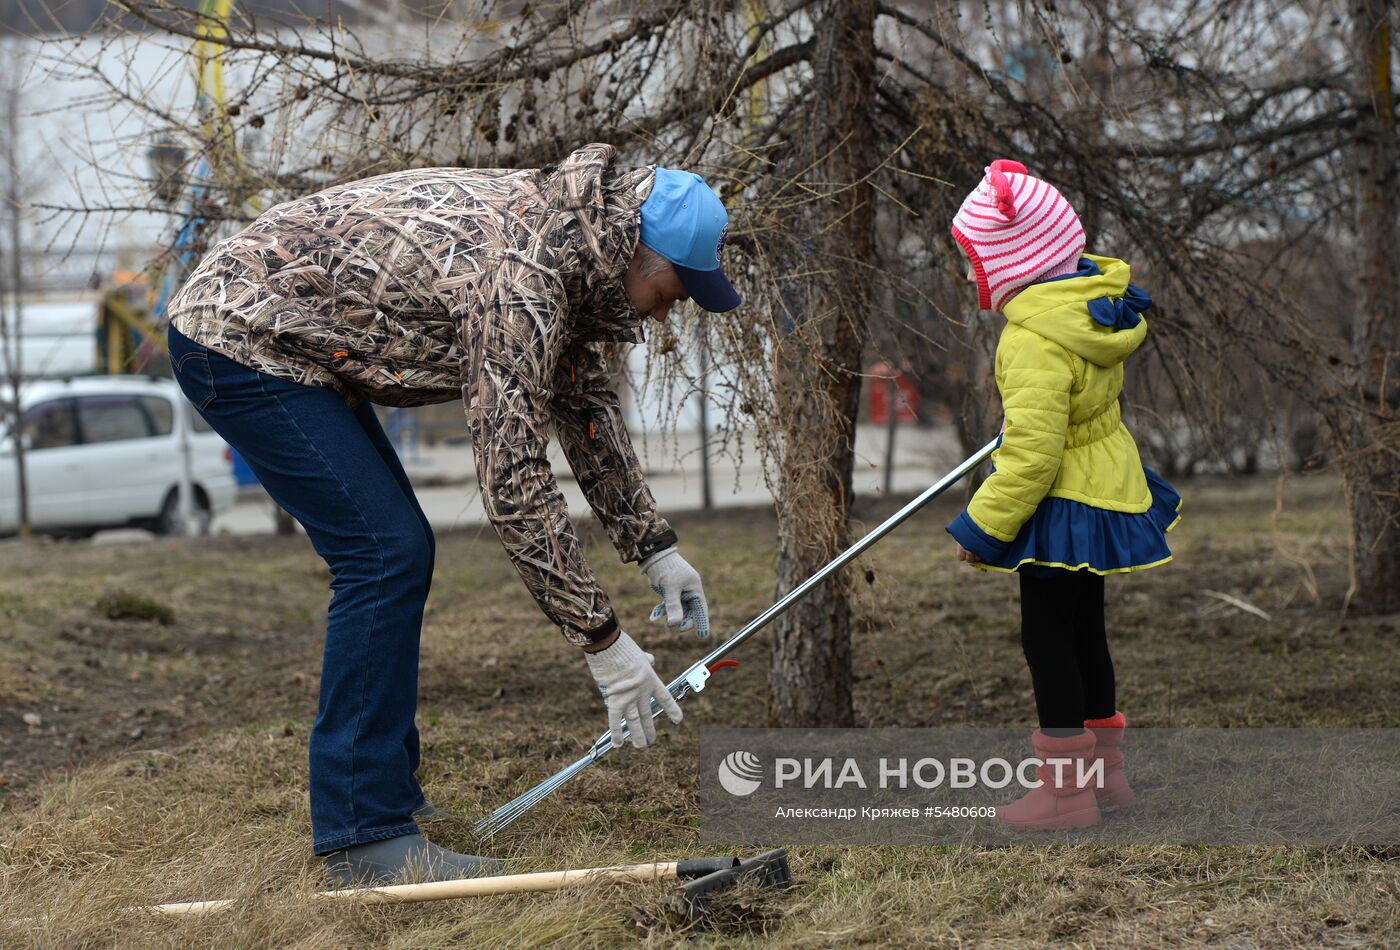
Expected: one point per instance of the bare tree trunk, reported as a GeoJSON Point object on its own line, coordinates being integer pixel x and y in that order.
{"type": "Point", "coordinates": [891, 429]}
{"type": "Point", "coordinates": [707, 497]}
{"type": "Point", "coordinates": [819, 370]}
{"type": "Point", "coordinates": [16, 282]}
{"type": "Point", "coordinates": [894, 358]}
{"type": "Point", "coordinates": [1372, 465]}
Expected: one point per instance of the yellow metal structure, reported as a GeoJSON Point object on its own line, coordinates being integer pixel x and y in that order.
{"type": "Point", "coordinates": [209, 74]}
{"type": "Point", "coordinates": [124, 326]}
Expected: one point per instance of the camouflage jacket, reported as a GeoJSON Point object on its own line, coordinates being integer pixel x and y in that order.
{"type": "Point", "coordinates": [501, 287]}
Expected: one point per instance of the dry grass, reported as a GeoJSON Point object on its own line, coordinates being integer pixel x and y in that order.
{"type": "Point", "coordinates": [208, 799]}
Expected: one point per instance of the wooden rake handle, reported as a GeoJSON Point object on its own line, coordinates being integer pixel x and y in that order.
{"type": "Point", "coordinates": [488, 886]}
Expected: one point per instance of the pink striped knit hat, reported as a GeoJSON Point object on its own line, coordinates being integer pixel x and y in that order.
{"type": "Point", "coordinates": [1016, 230]}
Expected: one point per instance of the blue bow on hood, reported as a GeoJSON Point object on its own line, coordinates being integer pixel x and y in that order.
{"type": "Point", "coordinates": [1123, 313]}
{"type": "Point", "coordinates": [1120, 314]}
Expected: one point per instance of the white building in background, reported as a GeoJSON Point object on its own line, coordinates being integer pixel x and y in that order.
{"type": "Point", "coordinates": [60, 335]}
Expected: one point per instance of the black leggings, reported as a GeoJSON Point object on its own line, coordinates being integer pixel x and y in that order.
{"type": "Point", "coordinates": [1062, 634]}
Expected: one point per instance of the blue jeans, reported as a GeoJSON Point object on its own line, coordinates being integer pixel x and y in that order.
{"type": "Point", "coordinates": [332, 468]}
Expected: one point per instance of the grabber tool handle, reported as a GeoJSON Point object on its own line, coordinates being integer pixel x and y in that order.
{"type": "Point", "coordinates": [693, 680]}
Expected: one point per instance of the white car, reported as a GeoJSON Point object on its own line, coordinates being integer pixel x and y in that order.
{"type": "Point", "coordinates": [104, 452]}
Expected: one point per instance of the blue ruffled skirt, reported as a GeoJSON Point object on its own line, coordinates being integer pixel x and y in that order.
{"type": "Point", "coordinates": [1070, 535]}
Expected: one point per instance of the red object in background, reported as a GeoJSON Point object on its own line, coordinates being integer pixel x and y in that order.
{"type": "Point", "coordinates": [906, 398]}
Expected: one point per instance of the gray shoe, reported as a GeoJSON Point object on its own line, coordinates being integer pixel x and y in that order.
{"type": "Point", "coordinates": [427, 812]}
{"type": "Point", "coordinates": [407, 859]}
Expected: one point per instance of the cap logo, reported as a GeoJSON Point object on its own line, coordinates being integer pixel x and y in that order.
{"type": "Point", "coordinates": [719, 245]}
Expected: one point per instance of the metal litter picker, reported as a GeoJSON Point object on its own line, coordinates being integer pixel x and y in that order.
{"type": "Point", "coordinates": [693, 680]}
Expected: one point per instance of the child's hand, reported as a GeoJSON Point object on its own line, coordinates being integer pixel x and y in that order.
{"type": "Point", "coordinates": [965, 555]}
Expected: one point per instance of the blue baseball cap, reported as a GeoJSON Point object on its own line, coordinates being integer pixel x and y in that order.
{"type": "Point", "coordinates": [685, 222]}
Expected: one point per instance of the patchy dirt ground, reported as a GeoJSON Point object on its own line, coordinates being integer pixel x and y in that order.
{"type": "Point", "coordinates": [144, 761]}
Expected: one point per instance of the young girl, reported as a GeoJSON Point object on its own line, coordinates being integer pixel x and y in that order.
{"type": "Point", "coordinates": [1069, 500]}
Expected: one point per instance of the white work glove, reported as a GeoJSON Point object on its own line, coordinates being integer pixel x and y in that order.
{"type": "Point", "coordinates": [629, 684]}
{"type": "Point", "coordinates": [683, 598]}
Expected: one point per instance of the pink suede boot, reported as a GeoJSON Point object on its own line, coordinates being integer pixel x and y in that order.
{"type": "Point", "coordinates": [1115, 792]}
{"type": "Point", "coordinates": [1060, 801]}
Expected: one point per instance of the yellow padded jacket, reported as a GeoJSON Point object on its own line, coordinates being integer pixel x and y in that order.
{"type": "Point", "coordinates": [1060, 373]}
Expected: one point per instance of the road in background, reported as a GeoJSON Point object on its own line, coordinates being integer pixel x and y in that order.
{"type": "Point", "coordinates": [445, 478]}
